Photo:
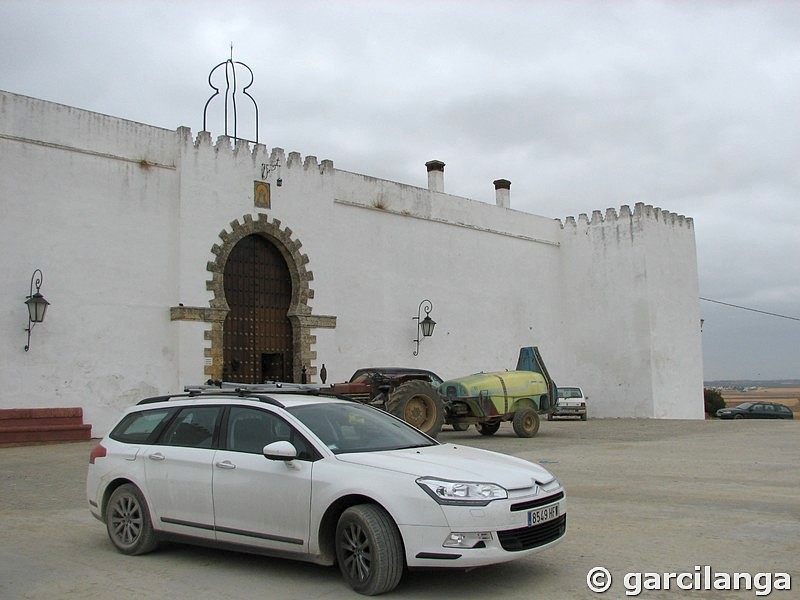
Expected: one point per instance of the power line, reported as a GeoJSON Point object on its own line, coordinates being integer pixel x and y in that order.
{"type": "Point", "coordinates": [763, 312]}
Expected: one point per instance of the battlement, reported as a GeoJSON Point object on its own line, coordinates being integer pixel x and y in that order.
{"type": "Point", "coordinates": [641, 211]}
{"type": "Point", "coordinates": [258, 153]}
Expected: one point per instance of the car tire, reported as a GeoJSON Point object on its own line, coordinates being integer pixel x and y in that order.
{"type": "Point", "coordinates": [549, 416]}
{"type": "Point", "coordinates": [369, 550]}
{"type": "Point", "coordinates": [584, 416]}
{"type": "Point", "coordinates": [488, 428]}
{"type": "Point", "coordinates": [419, 404]}
{"type": "Point", "coordinates": [738, 416]}
{"type": "Point", "coordinates": [526, 422]}
{"type": "Point", "coordinates": [128, 521]}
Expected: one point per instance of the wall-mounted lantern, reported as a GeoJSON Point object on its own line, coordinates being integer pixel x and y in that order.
{"type": "Point", "coordinates": [37, 305]}
{"type": "Point", "coordinates": [424, 326]}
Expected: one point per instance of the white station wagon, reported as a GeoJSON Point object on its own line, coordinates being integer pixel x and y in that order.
{"type": "Point", "coordinates": [317, 479]}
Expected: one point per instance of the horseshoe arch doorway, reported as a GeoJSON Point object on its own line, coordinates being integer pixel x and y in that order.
{"type": "Point", "coordinates": [257, 341]}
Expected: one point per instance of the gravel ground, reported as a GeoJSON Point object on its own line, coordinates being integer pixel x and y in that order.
{"type": "Point", "coordinates": [643, 496]}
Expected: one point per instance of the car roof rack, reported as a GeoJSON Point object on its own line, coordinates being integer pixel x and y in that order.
{"type": "Point", "coordinates": [262, 392]}
{"type": "Point", "coordinates": [154, 399]}
{"type": "Point", "coordinates": [199, 391]}
{"type": "Point", "coordinates": [269, 387]}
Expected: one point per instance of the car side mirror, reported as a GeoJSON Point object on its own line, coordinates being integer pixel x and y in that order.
{"type": "Point", "coordinates": [281, 450]}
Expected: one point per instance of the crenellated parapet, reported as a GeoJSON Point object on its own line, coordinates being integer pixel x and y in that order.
{"type": "Point", "coordinates": [237, 148]}
{"type": "Point", "coordinates": [641, 212]}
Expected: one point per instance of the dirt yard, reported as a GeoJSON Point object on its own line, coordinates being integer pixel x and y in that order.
{"type": "Point", "coordinates": [644, 495]}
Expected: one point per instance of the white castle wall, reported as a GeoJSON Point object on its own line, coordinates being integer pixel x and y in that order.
{"type": "Point", "coordinates": [478, 264]}
{"type": "Point", "coordinates": [77, 203]}
{"type": "Point", "coordinates": [376, 249]}
{"type": "Point", "coordinates": [122, 218]}
{"type": "Point", "coordinates": [631, 300]}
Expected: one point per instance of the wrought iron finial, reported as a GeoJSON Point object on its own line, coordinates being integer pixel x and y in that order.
{"type": "Point", "coordinates": [231, 91]}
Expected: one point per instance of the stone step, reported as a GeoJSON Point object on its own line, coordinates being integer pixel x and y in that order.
{"type": "Point", "coordinates": [32, 425]}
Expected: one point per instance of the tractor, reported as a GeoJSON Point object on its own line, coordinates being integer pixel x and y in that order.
{"type": "Point", "coordinates": [410, 394]}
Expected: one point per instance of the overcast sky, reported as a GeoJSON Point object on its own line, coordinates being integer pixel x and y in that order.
{"type": "Point", "coordinates": [690, 106]}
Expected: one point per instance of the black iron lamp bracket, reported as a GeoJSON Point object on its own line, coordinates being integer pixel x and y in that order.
{"type": "Point", "coordinates": [424, 326]}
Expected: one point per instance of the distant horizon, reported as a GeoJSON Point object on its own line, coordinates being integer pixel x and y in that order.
{"type": "Point", "coordinates": [779, 381]}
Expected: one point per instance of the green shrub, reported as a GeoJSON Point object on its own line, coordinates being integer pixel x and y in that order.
{"type": "Point", "coordinates": [713, 401]}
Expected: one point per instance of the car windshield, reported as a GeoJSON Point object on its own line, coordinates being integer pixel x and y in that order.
{"type": "Point", "coordinates": [745, 405]}
{"type": "Point", "coordinates": [345, 428]}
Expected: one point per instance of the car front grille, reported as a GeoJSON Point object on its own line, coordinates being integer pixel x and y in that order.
{"type": "Point", "coordinates": [536, 503]}
{"type": "Point", "coordinates": [525, 538]}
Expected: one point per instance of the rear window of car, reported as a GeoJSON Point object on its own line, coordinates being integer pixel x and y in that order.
{"type": "Point", "coordinates": [193, 427]}
{"type": "Point", "coordinates": [138, 427]}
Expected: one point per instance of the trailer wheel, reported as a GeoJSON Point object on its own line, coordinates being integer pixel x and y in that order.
{"type": "Point", "coordinates": [488, 428]}
{"type": "Point", "coordinates": [418, 403]}
{"type": "Point", "coordinates": [526, 422]}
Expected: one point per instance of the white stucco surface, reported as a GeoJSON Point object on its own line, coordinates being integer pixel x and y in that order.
{"type": "Point", "coordinates": [122, 219]}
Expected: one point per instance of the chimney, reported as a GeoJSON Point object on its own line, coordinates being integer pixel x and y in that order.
{"type": "Point", "coordinates": [435, 175]}
{"type": "Point", "coordinates": [502, 189]}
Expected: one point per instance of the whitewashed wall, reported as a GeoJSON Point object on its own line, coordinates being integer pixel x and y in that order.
{"type": "Point", "coordinates": [77, 203]}
{"type": "Point", "coordinates": [122, 218]}
{"type": "Point", "coordinates": [630, 294]}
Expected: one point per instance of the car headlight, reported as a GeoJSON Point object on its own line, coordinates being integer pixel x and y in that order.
{"type": "Point", "coordinates": [463, 493]}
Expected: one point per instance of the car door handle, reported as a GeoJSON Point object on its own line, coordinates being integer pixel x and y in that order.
{"type": "Point", "coordinates": [156, 456]}
{"type": "Point", "coordinates": [225, 464]}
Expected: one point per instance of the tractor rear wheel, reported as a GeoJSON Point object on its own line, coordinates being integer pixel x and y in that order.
{"type": "Point", "coordinates": [526, 422]}
{"type": "Point", "coordinates": [419, 404]}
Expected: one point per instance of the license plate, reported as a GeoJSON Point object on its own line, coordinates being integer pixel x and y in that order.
{"type": "Point", "coordinates": [544, 514]}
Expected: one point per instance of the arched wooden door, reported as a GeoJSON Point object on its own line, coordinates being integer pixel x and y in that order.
{"type": "Point", "coordinates": [257, 338]}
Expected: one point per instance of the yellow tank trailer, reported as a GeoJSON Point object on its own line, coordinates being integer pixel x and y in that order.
{"type": "Point", "coordinates": [488, 399]}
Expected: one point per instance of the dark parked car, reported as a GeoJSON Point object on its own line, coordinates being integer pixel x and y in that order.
{"type": "Point", "coordinates": [756, 410]}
